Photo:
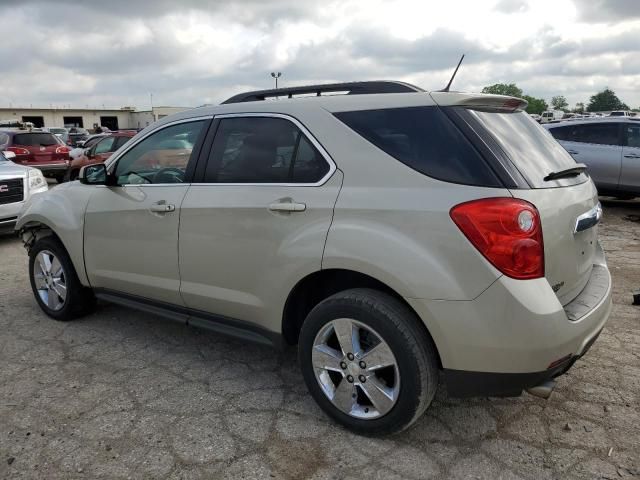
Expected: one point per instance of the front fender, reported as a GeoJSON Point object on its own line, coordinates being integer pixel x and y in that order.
{"type": "Point", "coordinates": [62, 210]}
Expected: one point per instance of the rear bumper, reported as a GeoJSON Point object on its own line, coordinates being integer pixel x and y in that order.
{"type": "Point", "coordinates": [515, 333]}
{"type": "Point", "coordinates": [472, 384]}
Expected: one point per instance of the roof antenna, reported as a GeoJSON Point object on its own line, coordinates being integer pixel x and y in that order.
{"type": "Point", "coordinates": [446, 89]}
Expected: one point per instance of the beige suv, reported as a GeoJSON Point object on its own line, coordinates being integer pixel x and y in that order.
{"type": "Point", "coordinates": [389, 232]}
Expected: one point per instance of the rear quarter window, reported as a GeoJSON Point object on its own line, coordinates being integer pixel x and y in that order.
{"type": "Point", "coordinates": [424, 139]}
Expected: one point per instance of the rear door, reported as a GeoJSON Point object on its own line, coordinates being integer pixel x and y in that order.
{"type": "Point", "coordinates": [630, 171]}
{"type": "Point", "coordinates": [258, 221]}
{"type": "Point", "coordinates": [598, 145]}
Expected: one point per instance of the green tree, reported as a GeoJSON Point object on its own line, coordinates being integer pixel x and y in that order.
{"type": "Point", "coordinates": [606, 100]}
{"type": "Point", "coordinates": [559, 102]}
{"type": "Point", "coordinates": [536, 105]}
{"type": "Point", "coordinates": [579, 108]}
{"type": "Point", "coordinates": [510, 89]}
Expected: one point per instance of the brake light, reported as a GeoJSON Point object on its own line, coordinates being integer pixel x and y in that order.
{"type": "Point", "coordinates": [19, 150]}
{"type": "Point", "coordinates": [507, 232]}
{"type": "Point", "coordinates": [63, 149]}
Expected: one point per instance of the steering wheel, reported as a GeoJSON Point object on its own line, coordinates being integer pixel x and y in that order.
{"type": "Point", "coordinates": [169, 175]}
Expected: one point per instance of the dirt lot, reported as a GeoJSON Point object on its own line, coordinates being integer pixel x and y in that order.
{"type": "Point", "coordinates": [124, 395]}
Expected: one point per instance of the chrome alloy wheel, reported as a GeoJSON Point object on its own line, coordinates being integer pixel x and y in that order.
{"type": "Point", "coordinates": [356, 369]}
{"type": "Point", "coordinates": [50, 280]}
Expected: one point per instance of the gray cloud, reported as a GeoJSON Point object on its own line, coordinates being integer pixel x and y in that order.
{"type": "Point", "coordinates": [511, 6]}
{"type": "Point", "coordinates": [117, 52]}
{"type": "Point", "coordinates": [607, 11]}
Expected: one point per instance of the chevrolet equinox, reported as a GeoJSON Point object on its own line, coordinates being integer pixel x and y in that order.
{"type": "Point", "coordinates": [393, 234]}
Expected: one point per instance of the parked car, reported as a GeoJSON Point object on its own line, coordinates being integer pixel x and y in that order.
{"type": "Point", "coordinates": [77, 136]}
{"type": "Point", "coordinates": [610, 147]}
{"type": "Point", "coordinates": [98, 151]}
{"type": "Point", "coordinates": [388, 236]}
{"type": "Point", "coordinates": [59, 131]}
{"type": "Point", "coordinates": [620, 113]}
{"type": "Point", "coordinates": [536, 117]}
{"type": "Point", "coordinates": [551, 115]}
{"type": "Point", "coordinates": [17, 184]}
{"type": "Point", "coordinates": [41, 150]}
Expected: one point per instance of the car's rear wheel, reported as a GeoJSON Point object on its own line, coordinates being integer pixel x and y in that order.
{"type": "Point", "coordinates": [368, 361]}
{"type": "Point", "coordinates": [55, 283]}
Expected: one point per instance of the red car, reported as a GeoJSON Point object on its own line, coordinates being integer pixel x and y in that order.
{"type": "Point", "coordinates": [99, 151]}
{"type": "Point", "coordinates": [42, 150]}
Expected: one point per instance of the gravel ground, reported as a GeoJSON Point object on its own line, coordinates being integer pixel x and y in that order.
{"type": "Point", "coordinates": [121, 394]}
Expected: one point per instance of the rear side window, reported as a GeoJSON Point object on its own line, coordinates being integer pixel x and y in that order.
{"type": "Point", "coordinates": [263, 150]}
{"type": "Point", "coordinates": [35, 139]}
{"type": "Point", "coordinates": [424, 139]}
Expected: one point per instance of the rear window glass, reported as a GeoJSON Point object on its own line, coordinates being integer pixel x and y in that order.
{"type": "Point", "coordinates": [533, 151]}
{"type": "Point", "coordinates": [35, 139]}
{"type": "Point", "coordinates": [424, 139]}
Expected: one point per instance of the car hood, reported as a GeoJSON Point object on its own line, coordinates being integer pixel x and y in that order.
{"type": "Point", "coordinates": [12, 170]}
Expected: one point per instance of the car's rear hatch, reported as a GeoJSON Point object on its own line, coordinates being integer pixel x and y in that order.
{"type": "Point", "coordinates": [44, 148]}
{"type": "Point", "coordinates": [513, 137]}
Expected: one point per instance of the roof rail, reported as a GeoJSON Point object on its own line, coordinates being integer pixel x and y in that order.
{"type": "Point", "coordinates": [352, 88]}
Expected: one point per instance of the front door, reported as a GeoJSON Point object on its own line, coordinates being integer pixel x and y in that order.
{"type": "Point", "coordinates": [131, 228]}
{"type": "Point", "coordinates": [630, 172]}
{"type": "Point", "coordinates": [258, 222]}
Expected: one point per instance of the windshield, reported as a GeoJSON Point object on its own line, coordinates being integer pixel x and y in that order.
{"type": "Point", "coordinates": [35, 139]}
{"type": "Point", "coordinates": [3, 158]}
{"type": "Point", "coordinates": [533, 151]}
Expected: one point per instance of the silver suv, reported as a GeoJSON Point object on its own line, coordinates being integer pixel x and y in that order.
{"type": "Point", "coordinates": [390, 233]}
{"type": "Point", "coordinates": [610, 147]}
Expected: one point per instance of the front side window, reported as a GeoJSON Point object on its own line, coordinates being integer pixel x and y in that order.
{"type": "Point", "coordinates": [632, 136]}
{"type": "Point", "coordinates": [105, 145]}
{"type": "Point", "coordinates": [263, 150]}
{"type": "Point", "coordinates": [162, 157]}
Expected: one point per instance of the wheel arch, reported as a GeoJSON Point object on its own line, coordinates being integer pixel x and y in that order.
{"type": "Point", "coordinates": [321, 284]}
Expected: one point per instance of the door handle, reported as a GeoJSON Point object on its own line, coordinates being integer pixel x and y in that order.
{"type": "Point", "coordinates": [631, 155]}
{"type": "Point", "coordinates": [572, 152]}
{"type": "Point", "coordinates": [162, 208]}
{"type": "Point", "coordinates": [287, 207]}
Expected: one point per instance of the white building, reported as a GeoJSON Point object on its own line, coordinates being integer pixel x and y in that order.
{"type": "Point", "coordinates": [126, 117]}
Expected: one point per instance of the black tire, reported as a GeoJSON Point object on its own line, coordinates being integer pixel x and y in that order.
{"type": "Point", "coordinates": [79, 299]}
{"type": "Point", "coordinates": [60, 178]}
{"type": "Point", "coordinates": [407, 338]}
{"type": "Point", "coordinates": [71, 175]}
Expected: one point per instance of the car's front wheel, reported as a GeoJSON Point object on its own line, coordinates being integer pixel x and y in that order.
{"type": "Point", "coordinates": [55, 283]}
{"type": "Point", "coordinates": [368, 361]}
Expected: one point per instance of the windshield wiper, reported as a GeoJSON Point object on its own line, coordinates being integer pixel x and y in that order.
{"type": "Point", "coordinates": [573, 171]}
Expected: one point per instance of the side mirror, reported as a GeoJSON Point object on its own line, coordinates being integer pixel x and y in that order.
{"type": "Point", "coordinates": [95, 174]}
{"type": "Point", "coordinates": [9, 155]}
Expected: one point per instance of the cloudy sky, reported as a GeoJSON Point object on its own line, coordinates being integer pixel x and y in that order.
{"type": "Point", "coordinates": [190, 52]}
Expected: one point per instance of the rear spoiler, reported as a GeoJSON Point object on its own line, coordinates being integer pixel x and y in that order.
{"type": "Point", "coordinates": [479, 101]}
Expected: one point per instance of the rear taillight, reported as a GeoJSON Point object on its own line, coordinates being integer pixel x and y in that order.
{"type": "Point", "coordinates": [19, 150]}
{"type": "Point", "coordinates": [507, 232]}
{"type": "Point", "coordinates": [63, 149]}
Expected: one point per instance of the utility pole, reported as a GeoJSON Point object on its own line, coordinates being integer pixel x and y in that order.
{"type": "Point", "coordinates": [276, 76]}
